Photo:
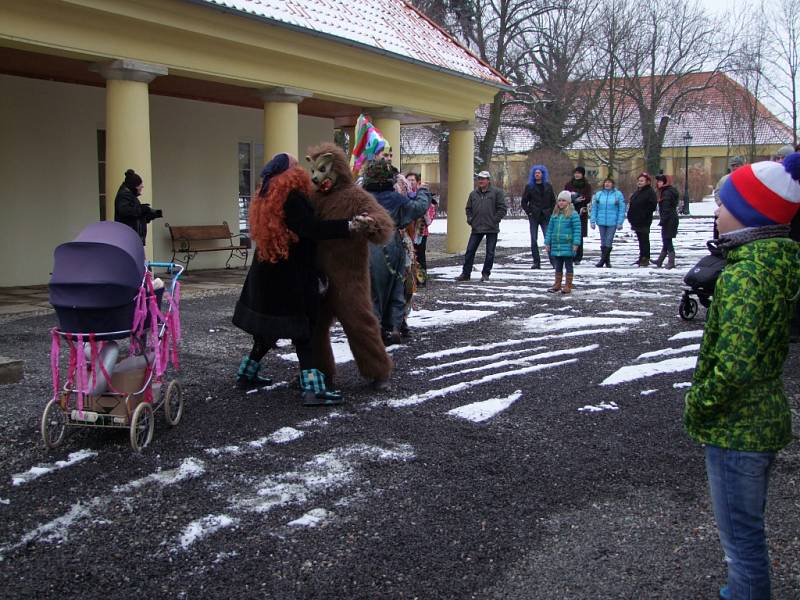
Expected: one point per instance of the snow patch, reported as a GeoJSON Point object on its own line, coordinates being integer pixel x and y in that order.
{"type": "Point", "coordinates": [323, 472]}
{"type": "Point", "coordinates": [223, 450]}
{"type": "Point", "coordinates": [551, 322]}
{"type": "Point", "coordinates": [311, 519]}
{"type": "Point", "coordinates": [669, 351]}
{"type": "Point", "coordinates": [486, 409]}
{"type": "Point", "coordinates": [634, 372]}
{"type": "Point", "coordinates": [465, 385]}
{"type": "Point", "coordinates": [189, 468]}
{"type": "Point", "coordinates": [599, 407]}
{"type": "Point", "coordinates": [201, 528]}
{"type": "Point", "coordinates": [648, 392]}
{"type": "Point", "coordinates": [687, 335]}
{"type": "Point", "coordinates": [682, 384]}
{"type": "Point", "coordinates": [627, 313]}
{"type": "Point", "coordinates": [35, 472]}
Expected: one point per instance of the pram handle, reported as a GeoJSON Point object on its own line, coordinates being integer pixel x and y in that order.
{"type": "Point", "coordinates": [170, 267]}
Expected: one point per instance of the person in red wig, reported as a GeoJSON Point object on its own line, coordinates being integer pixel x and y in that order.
{"type": "Point", "coordinates": [279, 299]}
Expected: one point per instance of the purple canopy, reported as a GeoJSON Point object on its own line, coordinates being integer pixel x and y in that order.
{"type": "Point", "coordinates": [102, 268]}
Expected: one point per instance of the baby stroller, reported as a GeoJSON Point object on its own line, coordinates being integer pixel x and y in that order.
{"type": "Point", "coordinates": [118, 341]}
{"type": "Point", "coordinates": [701, 279]}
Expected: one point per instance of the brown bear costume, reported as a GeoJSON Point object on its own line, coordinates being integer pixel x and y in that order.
{"type": "Point", "coordinates": [346, 264]}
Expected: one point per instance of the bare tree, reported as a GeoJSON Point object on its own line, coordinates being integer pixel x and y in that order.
{"type": "Point", "coordinates": [494, 30]}
{"type": "Point", "coordinates": [784, 39]}
{"type": "Point", "coordinates": [614, 135]}
{"type": "Point", "coordinates": [555, 73]}
{"type": "Point", "coordinates": [671, 56]}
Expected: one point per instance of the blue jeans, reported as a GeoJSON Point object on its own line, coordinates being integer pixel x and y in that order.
{"type": "Point", "coordinates": [738, 482]}
{"type": "Point", "coordinates": [534, 224]}
{"type": "Point", "coordinates": [472, 248]}
{"type": "Point", "coordinates": [607, 235]}
{"type": "Point", "coordinates": [563, 262]}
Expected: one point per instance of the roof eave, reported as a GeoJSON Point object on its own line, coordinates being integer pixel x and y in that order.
{"type": "Point", "coordinates": [346, 42]}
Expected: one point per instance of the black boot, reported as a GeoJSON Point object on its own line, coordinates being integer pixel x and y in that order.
{"type": "Point", "coordinates": [248, 377]}
{"type": "Point", "coordinates": [608, 256]}
{"type": "Point", "coordinates": [602, 260]}
{"type": "Point", "coordinates": [660, 260]}
{"type": "Point", "coordinates": [314, 392]}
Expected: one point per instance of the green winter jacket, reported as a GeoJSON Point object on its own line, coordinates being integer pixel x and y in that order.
{"type": "Point", "coordinates": [736, 400]}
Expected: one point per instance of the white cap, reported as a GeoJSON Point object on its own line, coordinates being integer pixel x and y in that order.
{"type": "Point", "coordinates": [484, 175]}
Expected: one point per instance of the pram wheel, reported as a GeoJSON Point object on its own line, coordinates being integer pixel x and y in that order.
{"type": "Point", "coordinates": [54, 424]}
{"type": "Point", "coordinates": [142, 426]}
{"type": "Point", "coordinates": [173, 403]}
{"type": "Point", "coordinates": [687, 308]}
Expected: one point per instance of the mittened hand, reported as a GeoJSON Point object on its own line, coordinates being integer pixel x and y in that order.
{"type": "Point", "coordinates": [362, 224]}
{"type": "Point", "coordinates": [619, 227]}
{"type": "Point", "coordinates": [592, 224]}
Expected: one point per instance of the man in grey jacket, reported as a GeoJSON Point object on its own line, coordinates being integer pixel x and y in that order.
{"type": "Point", "coordinates": [486, 207]}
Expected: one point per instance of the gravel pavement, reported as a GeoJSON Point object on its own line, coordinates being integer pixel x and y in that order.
{"type": "Point", "coordinates": [576, 490]}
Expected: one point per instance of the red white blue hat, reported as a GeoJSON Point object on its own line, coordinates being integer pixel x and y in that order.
{"type": "Point", "coordinates": [764, 193]}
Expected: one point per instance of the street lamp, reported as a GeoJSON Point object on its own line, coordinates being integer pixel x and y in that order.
{"type": "Point", "coordinates": [687, 139]}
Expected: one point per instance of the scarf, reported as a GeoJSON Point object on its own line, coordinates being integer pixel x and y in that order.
{"type": "Point", "coordinates": [578, 183]}
{"type": "Point", "coordinates": [740, 237]}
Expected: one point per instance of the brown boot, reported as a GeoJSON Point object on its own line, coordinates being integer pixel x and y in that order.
{"type": "Point", "coordinates": [557, 285]}
{"type": "Point", "coordinates": [567, 289]}
{"type": "Point", "coordinates": [644, 261]}
{"type": "Point", "coordinates": [660, 260]}
{"type": "Point", "coordinates": [671, 260]}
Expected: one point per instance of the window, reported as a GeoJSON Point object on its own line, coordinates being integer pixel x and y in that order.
{"type": "Point", "coordinates": [101, 171]}
{"type": "Point", "coordinates": [250, 157]}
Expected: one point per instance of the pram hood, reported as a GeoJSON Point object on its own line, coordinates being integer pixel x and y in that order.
{"type": "Point", "coordinates": [101, 268]}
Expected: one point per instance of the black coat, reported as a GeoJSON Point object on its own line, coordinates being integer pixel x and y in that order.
{"type": "Point", "coordinates": [279, 300]}
{"type": "Point", "coordinates": [130, 211]}
{"type": "Point", "coordinates": [538, 201]}
{"type": "Point", "coordinates": [584, 198]}
{"type": "Point", "coordinates": [643, 204]}
{"type": "Point", "coordinates": [668, 212]}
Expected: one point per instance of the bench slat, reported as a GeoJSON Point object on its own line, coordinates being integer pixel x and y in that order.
{"type": "Point", "coordinates": [201, 232]}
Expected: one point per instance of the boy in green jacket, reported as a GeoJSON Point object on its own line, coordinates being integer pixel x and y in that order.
{"type": "Point", "coordinates": [736, 406]}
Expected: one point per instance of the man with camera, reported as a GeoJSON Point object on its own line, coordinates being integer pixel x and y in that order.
{"type": "Point", "coordinates": [128, 209]}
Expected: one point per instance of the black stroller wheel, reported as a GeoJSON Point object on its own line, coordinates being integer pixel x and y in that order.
{"type": "Point", "coordinates": [687, 308]}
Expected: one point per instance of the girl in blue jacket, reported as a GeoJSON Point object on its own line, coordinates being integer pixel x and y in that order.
{"type": "Point", "coordinates": [562, 240]}
{"type": "Point", "coordinates": [607, 211]}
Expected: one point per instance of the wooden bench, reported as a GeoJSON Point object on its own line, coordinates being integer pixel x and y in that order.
{"type": "Point", "coordinates": [189, 240]}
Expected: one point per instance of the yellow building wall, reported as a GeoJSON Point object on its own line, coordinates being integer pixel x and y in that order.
{"type": "Point", "coordinates": [48, 170]}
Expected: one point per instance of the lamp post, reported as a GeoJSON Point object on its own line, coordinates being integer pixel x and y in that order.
{"type": "Point", "coordinates": [687, 139]}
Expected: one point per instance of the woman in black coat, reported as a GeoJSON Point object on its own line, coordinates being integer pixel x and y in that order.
{"type": "Point", "coordinates": [281, 294]}
{"type": "Point", "coordinates": [582, 196]}
{"type": "Point", "coordinates": [129, 210]}
{"type": "Point", "coordinates": [668, 199]}
{"type": "Point", "coordinates": [643, 204]}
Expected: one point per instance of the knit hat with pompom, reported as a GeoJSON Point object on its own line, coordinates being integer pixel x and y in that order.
{"type": "Point", "coordinates": [764, 193]}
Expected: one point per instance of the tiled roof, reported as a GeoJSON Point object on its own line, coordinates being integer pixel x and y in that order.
{"type": "Point", "coordinates": [709, 121]}
{"type": "Point", "coordinates": [391, 27]}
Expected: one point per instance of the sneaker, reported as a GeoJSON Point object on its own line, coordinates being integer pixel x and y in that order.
{"type": "Point", "coordinates": [462, 277]}
{"type": "Point", "coordinates": [484, 278]}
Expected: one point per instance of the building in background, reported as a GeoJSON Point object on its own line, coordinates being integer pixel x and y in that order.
{"type": "Point", "coordinates": [194, 95]}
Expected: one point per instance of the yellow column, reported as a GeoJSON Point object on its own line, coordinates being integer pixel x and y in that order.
{"type": "Point", "coordinates": [128, 128]}
{"type": "Point", "coordinates": [387, 120]}
{"type": "Point", "coordinates": [281, 121]}
{"type": "Point", "coordinates": [460, 168]}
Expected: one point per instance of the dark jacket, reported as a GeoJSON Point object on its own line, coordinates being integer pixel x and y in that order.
{"type": "Point", "coordinates": [668, 212]}
{"type": "Point", "coordinates": [130, 211]}
{"type": "Point", "coordinates": [486, 209]}
{"type": "Point", "coordinates": [538, 201]}
{"type": "Point", "coordinates": [279, 299]}
{"type": "Point", "coordinates": [584, 198]}
{"type": "Point", "coordinates": [643, 204]}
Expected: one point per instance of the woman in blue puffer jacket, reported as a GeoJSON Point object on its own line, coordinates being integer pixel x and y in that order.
{"type": "Point", "coordinates": [607, 211]}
